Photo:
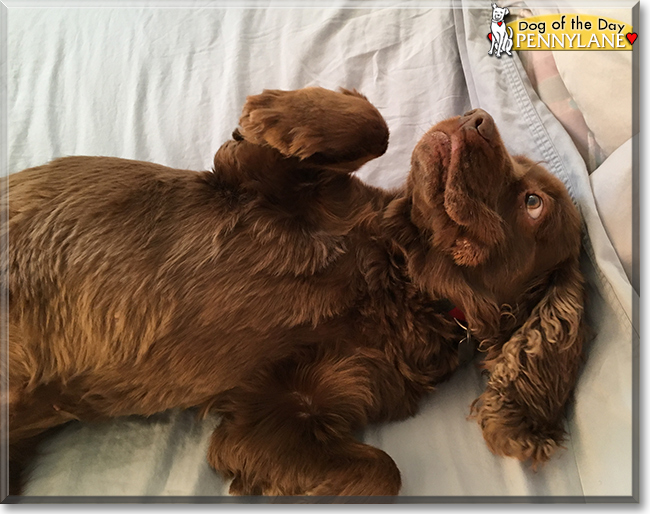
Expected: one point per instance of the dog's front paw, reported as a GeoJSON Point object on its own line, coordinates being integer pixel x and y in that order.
{"type": "Point", "coordinates": [284, 120]}
{"type": "Point", "coordinates": [333, 126]}
{"type": "Point", "coordinates": [513, 431]}
{"type": "Point", "coordinates": [263, 121]}
{"type": "Point", "coordinates": [521, 442]}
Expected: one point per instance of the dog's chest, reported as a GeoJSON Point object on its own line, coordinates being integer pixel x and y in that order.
{"type": "Point", "coordinates": [416, 329]}
{"type": "Point", "coordinates": [498, 27]}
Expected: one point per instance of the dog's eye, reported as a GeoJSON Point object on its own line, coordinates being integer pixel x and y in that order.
{"type": "Point", "coordinates": [534, 206]}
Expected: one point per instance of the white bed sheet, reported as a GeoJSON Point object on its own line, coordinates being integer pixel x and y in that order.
{"type": "Point", "coordinates": [167, 85]}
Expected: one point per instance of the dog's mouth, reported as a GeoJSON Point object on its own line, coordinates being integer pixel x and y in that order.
{"type": "Point", "coordinates": [434, 152]}
{"type": "Point", "coordinates": [458, 166]}
{"type": "Point", "coordinates": [462, 156]}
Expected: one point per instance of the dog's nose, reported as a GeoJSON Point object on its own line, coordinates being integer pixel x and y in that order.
{"type": "Point", "coordinates": [481, 121]}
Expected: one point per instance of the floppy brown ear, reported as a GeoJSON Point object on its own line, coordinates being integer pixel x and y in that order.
{"type": "Point", "coordinates": [533, 374]}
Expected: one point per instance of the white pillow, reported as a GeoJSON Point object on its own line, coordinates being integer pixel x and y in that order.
{"type": "Point", "coordinates": [599, 82]}
{"type": "Point", "coordinates": [612, 186]}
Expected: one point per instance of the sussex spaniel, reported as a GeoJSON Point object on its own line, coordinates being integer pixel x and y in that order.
{"type": "Point", "coordinates": [293, 299]}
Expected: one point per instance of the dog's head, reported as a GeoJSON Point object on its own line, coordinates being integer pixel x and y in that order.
{"type": "Point", "coordinates": [502, 242]}
{"type": "Point", "coordinates": [484, 206]}
{"type": "Point", "coordinates": [505, 223]}
{"type": "Point", "coordinates": [499, 13]}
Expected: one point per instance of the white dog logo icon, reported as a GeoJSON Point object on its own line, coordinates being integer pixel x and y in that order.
{"type": "Point", "coordinates": [499, 36]}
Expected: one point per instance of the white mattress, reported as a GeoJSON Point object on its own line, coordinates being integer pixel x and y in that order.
{"type": "Point", "coordinates": [167, 85]}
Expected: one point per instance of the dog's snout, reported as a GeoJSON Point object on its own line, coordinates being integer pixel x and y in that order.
{"type": "Point", "coordinates": [481, 121]}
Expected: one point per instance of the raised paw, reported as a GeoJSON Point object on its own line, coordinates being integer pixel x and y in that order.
{"type": "Point", "coordinates": [317, 123]}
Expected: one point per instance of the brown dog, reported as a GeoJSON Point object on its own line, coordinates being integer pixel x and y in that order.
{"type": "Point", "coordinates": [298, 302]}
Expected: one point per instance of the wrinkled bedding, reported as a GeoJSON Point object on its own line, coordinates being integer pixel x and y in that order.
{"type": "Point", "coordinates": [167, 84]}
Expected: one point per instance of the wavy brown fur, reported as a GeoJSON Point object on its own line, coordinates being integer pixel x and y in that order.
{"type": "Point", "coordinates": [285, 294]}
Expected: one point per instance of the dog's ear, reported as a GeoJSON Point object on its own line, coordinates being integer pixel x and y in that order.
{"type": "Point", "coordinates": [533, 375]}
{"type": "Point", "coordinates": [506, 12]}
{"type": "Point", "coordinates": [494, 6]}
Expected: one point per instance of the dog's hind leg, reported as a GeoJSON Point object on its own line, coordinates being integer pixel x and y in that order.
{"type": "Point", "coordinates": [338, 130]}
{"type": "Point", "coordinates": [33, 407]}
{"type": "Point", "coordinates": [291, 433]}
{"type": "Point", "coordinates": [32, 413]}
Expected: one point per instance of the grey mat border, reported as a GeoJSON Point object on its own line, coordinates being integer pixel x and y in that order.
{"type": "Point", "coordinates": [636, 243]}
{"type": "Point", "coordinates": [318, 499]}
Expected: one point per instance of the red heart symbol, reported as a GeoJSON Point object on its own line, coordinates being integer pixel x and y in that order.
{"type": "Point", "coordinates": [490, 36]}
{"type": "Point", "coordinates": [631, 37]}
{"type": "Point", "coordinates": [499, 23]}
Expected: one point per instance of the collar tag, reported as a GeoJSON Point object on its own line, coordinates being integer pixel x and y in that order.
{"type": "Point", "coordinates": [467, 345]}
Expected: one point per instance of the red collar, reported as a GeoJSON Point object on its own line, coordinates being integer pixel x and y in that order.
{"type": "Point", "coordinates": [456, 313]}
